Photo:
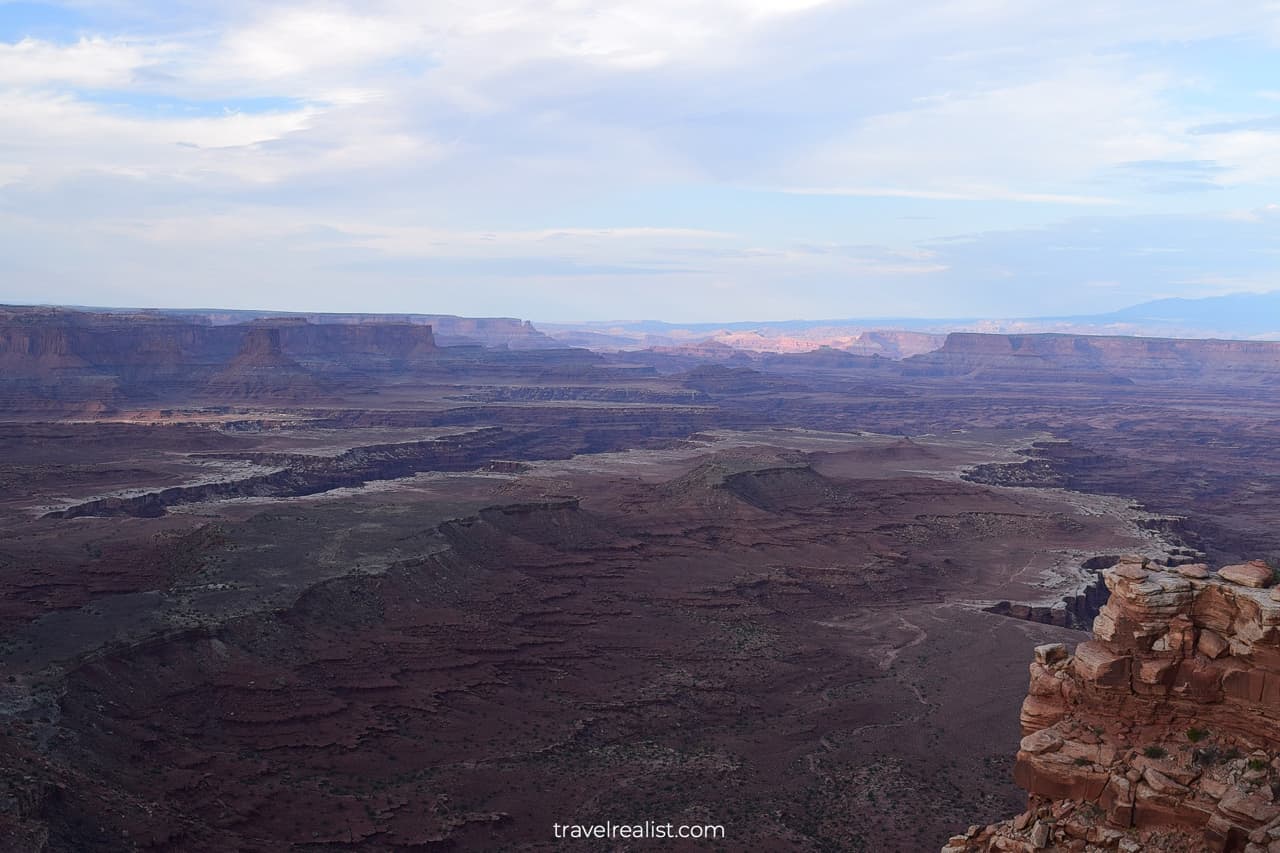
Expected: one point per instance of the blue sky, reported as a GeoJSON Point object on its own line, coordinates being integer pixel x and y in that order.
{"type": "Point", "coordinates": [575, 159]}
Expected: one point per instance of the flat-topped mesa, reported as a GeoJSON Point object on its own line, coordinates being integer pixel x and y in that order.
{"type": "Point", "coordinates": [1098, 359]}
{"type": "Point", "coordinates": [1163, 731]}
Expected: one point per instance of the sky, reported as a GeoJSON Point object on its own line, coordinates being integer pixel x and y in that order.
{"type": "Point", "coordinates": [700, 160]}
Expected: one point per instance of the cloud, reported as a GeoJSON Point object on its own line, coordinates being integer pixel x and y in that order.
{"type": "Point", "coordinates": [970, 193]}
{"type": "Point", "coordinates": [292, 43]}
{"type": "Point", "coordinates": [1024, 142]}
{"type": "Point", "coordinates": [1173, 176]}
{"type": "Point", "coordinates": [48, 136]}
{"type": "Point", "coordinates": [803, 155]}
{"type": "Point", "coordinates": [534, 93]}
{"type": "Point", "coordinates": [1264, 123]}
{"type": "Point", "coordinates": [93, 62]}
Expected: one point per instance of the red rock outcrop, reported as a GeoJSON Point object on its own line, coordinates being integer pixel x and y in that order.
{"type": "Point", "coordinates": [1163, 731]}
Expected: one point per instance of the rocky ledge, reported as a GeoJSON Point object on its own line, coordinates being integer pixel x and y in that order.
{"type": "Point", "coordinates": [1163, 731]}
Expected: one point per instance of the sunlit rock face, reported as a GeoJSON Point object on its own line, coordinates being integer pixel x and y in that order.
{"type": "Point", "coordinates": [1163, 731]}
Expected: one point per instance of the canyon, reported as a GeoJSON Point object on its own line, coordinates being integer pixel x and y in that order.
{"type": "Point", "coordinates": [323, 582]}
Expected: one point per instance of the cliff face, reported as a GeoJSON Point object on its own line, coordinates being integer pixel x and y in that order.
{"type": "Point", "coordinates": [361, 346]}
{"type": "Point", "coordinates": [1098, 359]}
{"type": "Point", "coordinates": [506, 332]}
{"type": "Point", "coordinates": [51, 357]}
{"type": "Point", "coordinates": [895, 344]}
{"type": "Point", "coordinates": [450, 330]}
{"type": "Point", "coordinates": [1163, 731]}
{"type": "Point", "coordinates": [773, 338]}
{"type": "Point", "coordinates": [261, 369]}
{"type": "Point", "coordinates": [36, 344]}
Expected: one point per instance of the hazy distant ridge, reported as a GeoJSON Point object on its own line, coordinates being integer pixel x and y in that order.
{"type": "Point", "coordinates": [1244, 316]}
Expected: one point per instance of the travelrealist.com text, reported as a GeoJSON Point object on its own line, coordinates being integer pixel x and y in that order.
{"type": "Point", "coordinates": [645, 829]}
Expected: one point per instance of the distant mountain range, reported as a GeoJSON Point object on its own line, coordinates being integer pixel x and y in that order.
{"type": "Point", "coordinates": [1243, 316]}
{"type": "Point", "coordinates": [1236, 316]}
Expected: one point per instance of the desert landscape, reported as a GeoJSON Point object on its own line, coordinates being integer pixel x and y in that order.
{"type": "Point", "coordinates": [329, 584]}
{"type": "Point", "coordinates": [630, 426]}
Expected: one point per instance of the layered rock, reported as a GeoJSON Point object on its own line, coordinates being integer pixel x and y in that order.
{"type": "Point", "coordinates": [261, 369]}
{"type": "Point", "coordinates": [58, 359]}
{"type": "Point", "coordinates": [1098, 359]}
{"type": "Point", "coordinates": [450, 330]}
{"type": "Point", "coordinates": [1163, 731]}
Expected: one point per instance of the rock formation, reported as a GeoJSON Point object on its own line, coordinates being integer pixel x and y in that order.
{"type": "Point", "coordinates": [1163, 731]}
{"type": "Point", "coordinates": [56, 360]}
{"type": "Point", "coordinates": [1097, 359]}
{"type": "Point", "coordinates": [261, 369]}
{"type": "Point", "coordinates": [450, 330]}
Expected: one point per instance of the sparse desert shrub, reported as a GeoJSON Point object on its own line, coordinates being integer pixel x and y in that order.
{"type": "Point", "coordinates": [1155, 752]}
{"type": "Point", "coordinates": [1082, 761]}
{"type": "Point", "coordinates": [1196, 735]}
{"type": "Point", "coordinates": [1257, 764]}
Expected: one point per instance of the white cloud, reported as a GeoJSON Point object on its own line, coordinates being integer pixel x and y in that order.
{"type": "Point", "coordinates": [1253, 155]}
{"type": "Point", "coordinates": [58, 136]}
{"type": "Point", "coordinates": [94, 62]}
{"type": "Point", "coordinates": [1020, 142]}
{"type": "Point", "coordinates": [549, 70]}
{"type": "Point", "coordinates": [462, 130]}
{"type": "Point", "coordinates": [294, 42]}
{"type": "Point", "coordinates": [960, 193]}
{"type": "Point", "coordinates": [409, 241]}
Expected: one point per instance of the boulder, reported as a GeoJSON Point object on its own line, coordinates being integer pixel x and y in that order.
{"type": "Point", "coordinates": [1097, 664]}
{"type": "Point", "coordinates": [1254, 807]}
{"type": "Point", "coordinates": [1255, 574]}
{"type": "Point", "coordinates": [1042, 741]}
{"type": "Point", "coordinates": [1162, 784]}
{"type": "Point", "coordinates": [1130, 571]}
{"type": "Point", "coordinates": [1040, 712]}
{"type": "Point", "coordinates": [1211, 644]}
{"type": "Point", "coordinates": [1196, 571]}
{"type": "Point", "coordinates": [1051, 653]}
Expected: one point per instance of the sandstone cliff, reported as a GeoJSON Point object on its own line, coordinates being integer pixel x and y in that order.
{"type": "Point", "coordinates": [1163, 731]}
{"type": "Point", "coordinates": [261, 369]}
{"type": "Point", "coordinates": [450, 330]}
{"type": "Point", "coordinates": [1098, 359]}
{"type": "Point", "coordinates": [55, 358]}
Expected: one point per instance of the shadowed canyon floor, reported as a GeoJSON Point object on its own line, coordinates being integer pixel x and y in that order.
{"type": "Point", "coordinates": [495, 591]}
